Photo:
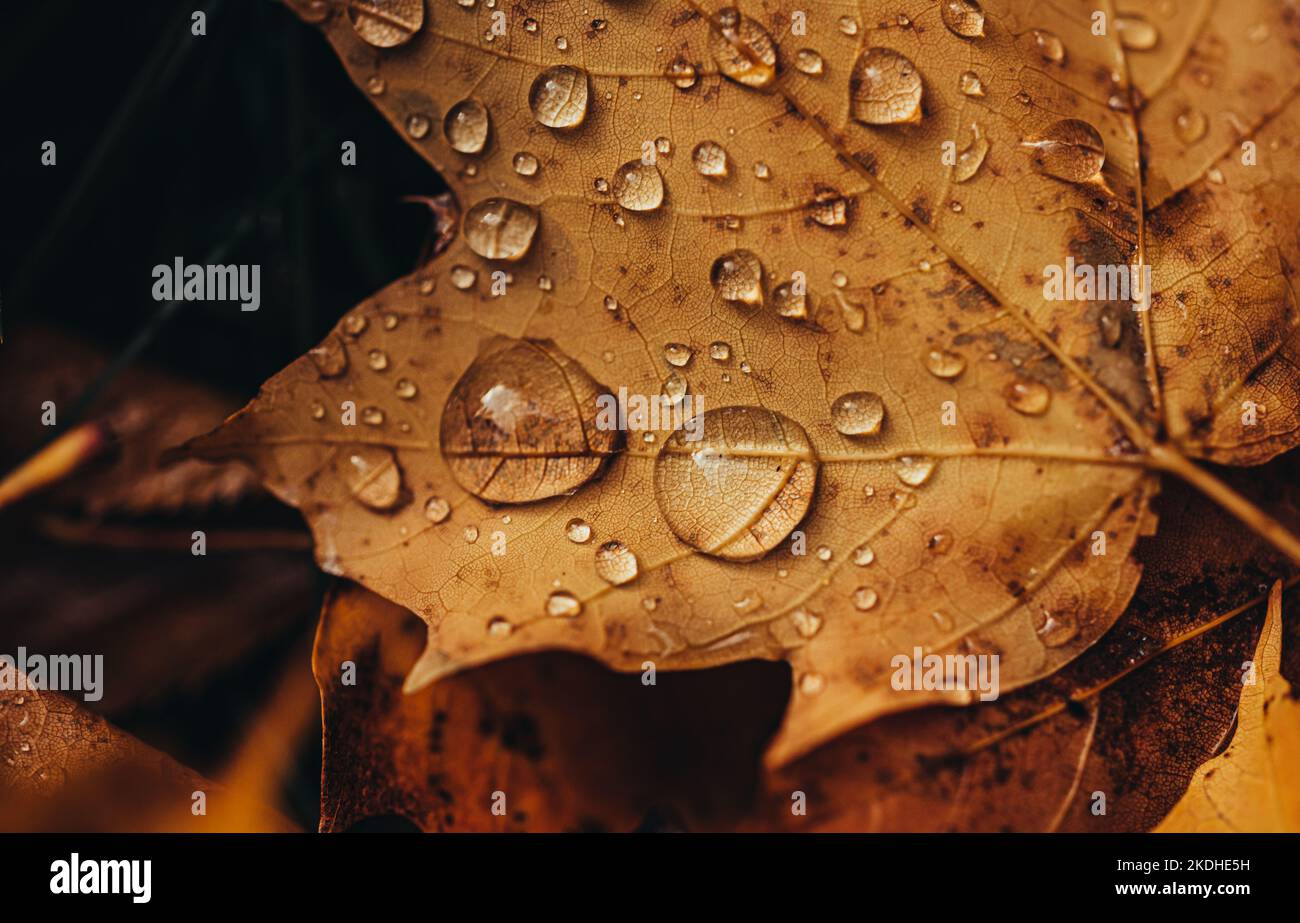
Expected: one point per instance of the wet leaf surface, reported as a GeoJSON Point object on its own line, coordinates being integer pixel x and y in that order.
{"type": "Point", "coordinates": [830, 177]}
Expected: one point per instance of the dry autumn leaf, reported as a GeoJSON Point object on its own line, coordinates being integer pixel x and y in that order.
{"type": "Point", "coordinates": [758, 223]}
{"type": "Point", "coordinates": [572, 745]}
{"type": "Point", "coordinates": [62, 767]}
{"type": "Point", "coordinates": [1250, 786]}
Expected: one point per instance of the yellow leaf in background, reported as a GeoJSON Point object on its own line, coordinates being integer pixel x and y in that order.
{"type": "Point", "coordinates": [1250, 787]}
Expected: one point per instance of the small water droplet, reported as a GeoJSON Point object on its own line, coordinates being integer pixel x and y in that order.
{"type": "Point", "coordinates": [971, 159]}
{"type": "Point", "coordinates": [885, 88]}
{"type": "Point", "coordinates": [963, 17]}
{"type": "Point", "coordinates": [436, 509]}
{"type": "Point", "coordinates": [405, 389]}
{"type": "Point", "coordinates": [942, 363]}
{"type": "Point", "coordinates": [864, 598]}
{"type": "Point", "coordinates": [970, 84]}
{"type": "Point", "coordinates": [805, 622]}
{"type": "Point", "coordinates": [462, 277]}
{"type": "Point", "coordinates": [1136, 33]}
{"type": "Point", "coordinates": [790, 302]}
{"type": "Point", "coordinates": [677, 355]}
{"type": "Point", "coordinates": [1071, 150]}
{"type": "Point", "coordinates": [417, 125]}
{"type": "Point", "coordinates": [561, 43]}
{"type": "Point", "coordinates": [377, 359]}
{"type": "Point", "coordinates": [467, 126]}
{"type": "Point", "coordinates": [807, 61]}
{"type": "Point", "coordinates": [372, 416]}
{"type": "Point", "coordinates": [1024, 395]}
{"type": "Point", "coordinates": [863, 555]}
{"type": "Point", "coordinates": [743, 49]}
{"type": "Point", "coordinates": [330, 357]}
{"type": "Point", "coordinates": [719, 351]}
{"type": "Point", "coordinates": [373, 477]}
{"type": "Point", "coordinates": [615, 563]}
{"type": "Point", "coordinates": [762, 171]}
{"type": "Point", "coordinates": [710, 159]}
{"type": "Point", "coordinates": [577, 531]}
{"type": "Point", "coordinates": [499, 627]}
{"type": "Point", "coordinates": [683, 74]}
{"type": "Point", "coordinates": [828, 207]}
{"type": "Point", "coordinates": [737, 277]}
{"type": "Point", "coordinates": [638, 186]}
{"type": "Point", "coordinates": [939, 543]}
{"type": "Point", "coordinates": [1057, 628]}
{"type": "Point", "coordinates": [558, 97]}
{"type": "Point", "coordinates": [1049, 46]}
{"type": "Point", "coordinates": [675, 388]}
{"type": "Point", "coordinates": [500, 229]}
{"type": "Point", "coordinates": [1111, 326]}
{"type": "Point", "coordinates": [848, 25]}
{"type": "Point", "coordinates": [1191, 125]}
{"type": "Point", "coordinates": [376, 85]}
{"type": "Point", "coordinates": [914, 470]}
{"type": "Point", "coordinates": [824, 553]}
{"type": "Point", "coordinates": [561, 604]}
{"type": "Point", "coordinates": [812, 684]}
{"type": "Point", "coordinates": [858, 413]}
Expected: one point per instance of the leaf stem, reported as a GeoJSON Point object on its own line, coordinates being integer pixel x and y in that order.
{"type": "Point", "coordinates": [1245, 510]}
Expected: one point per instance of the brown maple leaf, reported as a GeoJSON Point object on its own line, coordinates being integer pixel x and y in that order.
{"type": "Point", "coordinates": [750, 213]}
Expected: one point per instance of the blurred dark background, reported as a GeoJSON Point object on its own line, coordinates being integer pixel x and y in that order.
{"type": "Point", "coordinates": [171, 144]}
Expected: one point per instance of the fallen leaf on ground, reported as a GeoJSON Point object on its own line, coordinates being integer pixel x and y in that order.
{"type": "Point", "coordinates": [1250, 787]}
{"type": "Point", "coordinates": [645, 198]}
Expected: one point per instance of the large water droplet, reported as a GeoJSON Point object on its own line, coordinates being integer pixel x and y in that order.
{"type": "Point", "coordinates": [738, 277]}
{"type": "Point", "coordinates": [1071, 150]}
{"type": "Point", "coordinates": [386, 23]}
{"type": "Point", "coordinates": [1024, 395]}
{"type": "Point", "coordinates": [467, 126]}
{"type": "Point", "coordinates": [739, 490]}
{"type": "Point", "coordinates": [858, 413]}
{"type": "Point", "coordinates": [638, 187]}
{"type": "Point", "coordinates": [885, 88]}
{"type": "Point", "coordinates": [373, 477]}
{"type": "Point", "coordinates": [521, 424]}
{"type": "Point", "coordinates": [710, 159]}
{"type": "Point", "coordinates": [743, 49]}
{"type": "Point", "coordinates": [500, 229]}
{"type": "Point", "coordinates": [615, 563]}
{"type": "Point", "coordinates": [963, 17]}
{"type": "Point", "coordinates": [971, 159]}
{"type": "Point", "coordinates": [558, 97]}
